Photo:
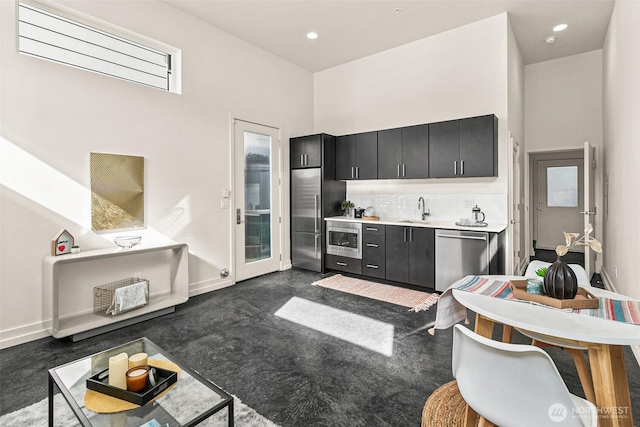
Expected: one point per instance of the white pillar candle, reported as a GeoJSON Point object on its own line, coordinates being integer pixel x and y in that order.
{"type": "Point", "coordinates": [137, 359]}
{"type": "Point", "coordinates": [118, 367]}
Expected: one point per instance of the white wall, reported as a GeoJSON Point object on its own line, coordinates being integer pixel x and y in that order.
{"type": "Point", "coordinates": [515, 108]}
{"type": "Point", "coordinates": [455, 74]}
{"type": "Point", "coordinates": [563, 109]}
{"type": "Point", "coordinates": [53, 116]}
{"type": "Point", "coordinates": [621, 69]}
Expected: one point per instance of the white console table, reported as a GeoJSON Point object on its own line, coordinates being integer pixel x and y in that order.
{"type": "Point", "coordinates": [68, 282]}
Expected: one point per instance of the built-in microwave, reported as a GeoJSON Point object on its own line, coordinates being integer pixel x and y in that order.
{"type": "Point", "coordinates": [344, 239]}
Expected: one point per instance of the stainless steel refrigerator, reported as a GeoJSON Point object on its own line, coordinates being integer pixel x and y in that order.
{"type": "Point", "coordinates": [315, 194]}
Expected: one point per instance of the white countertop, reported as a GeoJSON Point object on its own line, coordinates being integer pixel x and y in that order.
{"type": "Point", "coordinates": [555, 323]}
{"type": "Point", "coordinates": [412, 222]}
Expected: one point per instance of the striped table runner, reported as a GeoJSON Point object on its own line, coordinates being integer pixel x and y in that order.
{"type": "Point", "coordinates": [449, 311]}
{"type": "Point", "coordinates": [613, 309]}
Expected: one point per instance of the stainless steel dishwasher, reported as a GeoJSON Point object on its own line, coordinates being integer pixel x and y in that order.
{"type": "Point", "coordinates": [460, 253]}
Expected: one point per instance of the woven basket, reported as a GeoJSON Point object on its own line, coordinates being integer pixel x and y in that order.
{"type": "Point", "coordinates": [445, 407]}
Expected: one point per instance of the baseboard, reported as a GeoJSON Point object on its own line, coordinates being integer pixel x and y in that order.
{"type": "Point", "coordinates": [208, 286]}
{"type": "Point", "coordinates": [22, 334]}
{"type": "Point", "coordinates": [287, 265]}
{"type": "Point", "coordinates": [606, 280]}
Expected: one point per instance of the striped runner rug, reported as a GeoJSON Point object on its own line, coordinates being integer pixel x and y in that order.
{"type": "Point", "coordinates": [415, 300]}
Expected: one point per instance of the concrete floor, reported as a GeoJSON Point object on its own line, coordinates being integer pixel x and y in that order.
{"type": "Point", "coordinates": [291, 374]}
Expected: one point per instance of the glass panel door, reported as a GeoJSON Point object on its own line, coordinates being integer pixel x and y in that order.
{"type": "Point", "coordinates": [256, 200]}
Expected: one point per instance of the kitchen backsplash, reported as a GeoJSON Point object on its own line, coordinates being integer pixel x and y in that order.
{"type": "Point", "coordinates": [443, 207]}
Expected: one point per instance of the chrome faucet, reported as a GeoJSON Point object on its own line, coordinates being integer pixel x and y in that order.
{"type": "Point", "coordinates": [424, 214]}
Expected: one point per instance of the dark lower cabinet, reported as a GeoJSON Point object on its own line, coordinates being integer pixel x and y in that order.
{"type": "Point", "coordinates": [410, 255]}
{"type": "Point", "coordinates": [373, 251]}
{"type": "Point", "coordinates": [340, 263]}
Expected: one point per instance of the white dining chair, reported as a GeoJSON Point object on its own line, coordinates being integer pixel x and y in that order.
{"type": "Point", "coordinates": [576, 352]}
{"type": "Point", "coordinates": [514, 385]}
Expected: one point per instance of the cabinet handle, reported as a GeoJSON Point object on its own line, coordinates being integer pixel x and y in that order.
{"type": "Point", "coordinates": [301, 159]}
{"type": "Point", "coordinates": [357, 172]}
{"type": "Point", "coordinates": [404, 170]}
{"type": "Point", "coordinates": [373, 245]}
{"type": "Point", "coordinates": [461, 167]}
{"type": "Point", "coordinates": [398, 171]}
{"type": "Point", "coordinates": [372, 266]}
{"type": "Point", "coordinates": [352, 174]}
{"type": "Point", "coordinates": [455, 167]}
{"type": "Point", "coordinates": [371, 229]}
{"type": "Point", "coordinates": [343, 264]}
{"type": "Point", "coordinates": [405, 234]}
{"type": "Point", "coordinates": [411, 234]}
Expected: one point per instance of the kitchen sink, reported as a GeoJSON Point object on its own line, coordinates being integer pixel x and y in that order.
{"type": "Point", "coordinates": [415, 221]}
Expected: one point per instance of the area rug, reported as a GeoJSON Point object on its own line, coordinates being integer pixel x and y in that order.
{"type": "Point", "coordinates": [36, 415]}
{"type": "Point", "coordinates": [415, 300]}
{"type": "Point", "coordinates": [445, 407]}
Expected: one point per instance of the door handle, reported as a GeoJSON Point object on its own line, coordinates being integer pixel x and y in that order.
{"type": "Point", "coordinates": [513, 221]}
{"type": "Point", "coordinates": [315, 212]}
{"type": "Point", "coordinates": [588, 212]}
{"type": "Point", "coordinates": [540, 209]}
{"type": "Point", "coordinates": [315, 247]}
{"type": "Point", "coordinates": [238, 216]}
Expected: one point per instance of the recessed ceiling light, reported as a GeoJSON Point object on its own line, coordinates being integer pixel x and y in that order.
{"type": "Point", "coordinates": [312, 35]}
{"type": "Point", "coordinates": [560, 27]}
{"type": "Point", "coordinates": [550, 39]}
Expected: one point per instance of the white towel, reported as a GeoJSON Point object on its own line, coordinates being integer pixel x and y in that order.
{"type": "Point", "coordinates": [128, 297]}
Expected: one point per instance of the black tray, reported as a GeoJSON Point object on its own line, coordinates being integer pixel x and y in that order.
{"type": "Point", "coordinates": [100, 383]}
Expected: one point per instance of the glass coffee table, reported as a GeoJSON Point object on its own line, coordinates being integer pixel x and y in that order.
{"type": "Point", "coordinates": [191, 400]}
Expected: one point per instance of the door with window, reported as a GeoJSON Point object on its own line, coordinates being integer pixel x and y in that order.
{"type": "Point", "coordinates": [559, 201]}
{"type": "Point", "coordinates": [257, 200]}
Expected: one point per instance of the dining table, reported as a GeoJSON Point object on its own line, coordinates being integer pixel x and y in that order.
{"type": "Point", "coordinates": [603, 339]}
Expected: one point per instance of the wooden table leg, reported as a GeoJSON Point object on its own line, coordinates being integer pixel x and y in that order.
{"type": "Point", "coordinates": [507, 333]}
{"type": "Point", "coordinates": [610, 386]}
{"type": "Point", "coordinates": [583, 373]}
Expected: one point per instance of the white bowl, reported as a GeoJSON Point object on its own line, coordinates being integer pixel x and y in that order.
{"type": "Point", "coordinates": [127, 242]}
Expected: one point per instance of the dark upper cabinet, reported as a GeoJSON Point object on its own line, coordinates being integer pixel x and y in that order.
{"type": "Point", "coordinates": [306, 152]}
{"type": "Point", "coordinates": [464, 148]}
{"type": "Point", "coordinates": [410, 255]}
{"type": "Point", "coordinates": [415, 151]}
{"type": "Point", "coordinates": [444, 149]}
{"type": "Point", "coordinates": [479, 146]}
{"type": "Point", "coordinates": [357, 156]}
{"type": "Point", "coordinates": [389, 154]}
{"type": "Point", "coordinates": [403, 152]}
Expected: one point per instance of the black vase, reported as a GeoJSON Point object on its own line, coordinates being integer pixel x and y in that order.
{"type": "Point", "coordinates": [560, 281]}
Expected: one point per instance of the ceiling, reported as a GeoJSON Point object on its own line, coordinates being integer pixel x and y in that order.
{"type": "Point", "coordinates": [352, 29]}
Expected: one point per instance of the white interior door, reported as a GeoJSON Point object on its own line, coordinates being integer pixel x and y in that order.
{"type": "Point", "coordinates": [257, 200]}
{"type": "Point", "coordinates": [560, 199]}
{"type": "Point", "coordinates": [589, 211]}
